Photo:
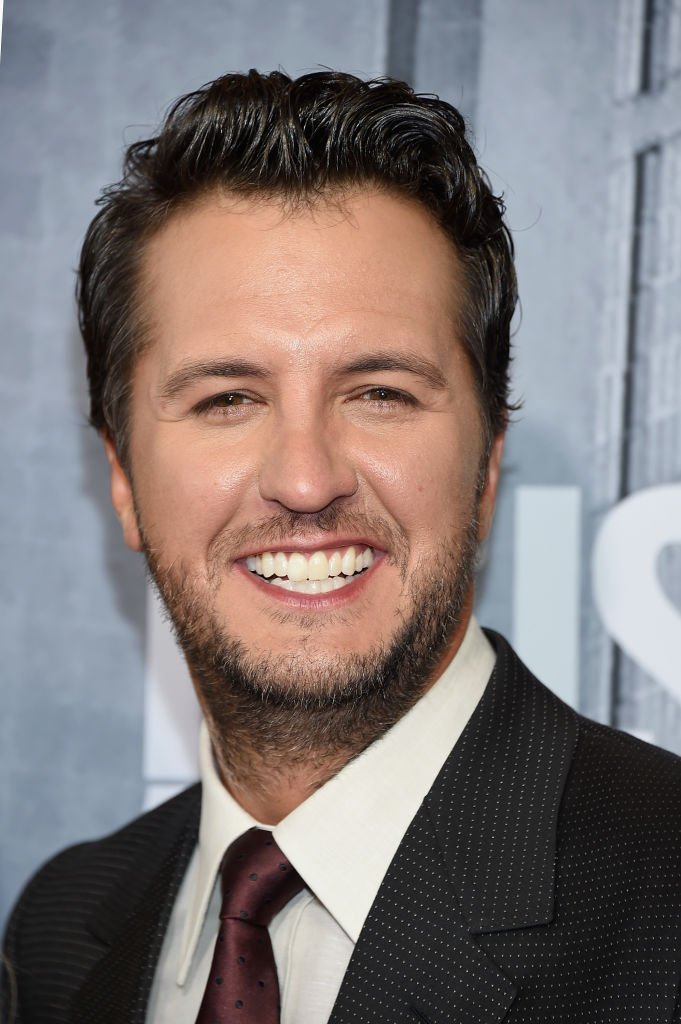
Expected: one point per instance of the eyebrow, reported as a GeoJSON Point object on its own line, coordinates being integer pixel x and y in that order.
{"type": "Point", "coordinates": [421, 367]}
{"type": "Point", "coordinates": [191, 373]}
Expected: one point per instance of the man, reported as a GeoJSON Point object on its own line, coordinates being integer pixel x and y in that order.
{"type": "Point", "coordinates": [296, 308]}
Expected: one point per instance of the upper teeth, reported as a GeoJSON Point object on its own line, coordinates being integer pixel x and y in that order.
{"type": "Point", "coordinates": [317, 566]}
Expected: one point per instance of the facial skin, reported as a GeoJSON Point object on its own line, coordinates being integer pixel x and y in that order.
{"type": "Point", "coordinates": [304, 391]}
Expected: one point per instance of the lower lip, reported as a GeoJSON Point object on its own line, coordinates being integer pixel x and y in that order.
{"type": "Point", "coordinates": [311, 602]}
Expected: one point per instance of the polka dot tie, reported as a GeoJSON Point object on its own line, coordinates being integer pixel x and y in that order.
{"type": "Point", "coordinates": [257, 881]}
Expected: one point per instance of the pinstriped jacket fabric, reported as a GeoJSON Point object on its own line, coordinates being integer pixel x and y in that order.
{"type": "Point", "coordinates": [540, 881]}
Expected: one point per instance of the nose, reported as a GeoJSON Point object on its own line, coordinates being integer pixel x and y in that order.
{"type": "Point", "coordinates": [305, 467]}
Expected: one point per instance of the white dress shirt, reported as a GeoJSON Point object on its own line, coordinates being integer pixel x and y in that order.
{"type": "Point", "coordinates": [341, 841]}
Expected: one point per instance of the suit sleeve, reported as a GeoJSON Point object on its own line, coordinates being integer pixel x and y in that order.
{"type": "Point", "coordinates": [9, 994]}
{"type": "Point", "coordinates": [33, 982]}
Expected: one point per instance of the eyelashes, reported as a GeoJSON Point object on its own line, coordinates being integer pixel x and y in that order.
{"type": "Point", "coordinates": [227, 400]}
{"type": "Point", "coordinates": [388, 396]}
{"type": "Point", "coordinates": [237, 403]}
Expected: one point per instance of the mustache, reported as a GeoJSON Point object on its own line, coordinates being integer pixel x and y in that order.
{"type": "Point", "coordinates": [269, 531]}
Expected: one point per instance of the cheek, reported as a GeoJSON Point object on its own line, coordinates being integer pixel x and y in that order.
{"type": "Point", "coordinates": [427, 483]}
{"type": "Point", "coordinates": [188, 492]}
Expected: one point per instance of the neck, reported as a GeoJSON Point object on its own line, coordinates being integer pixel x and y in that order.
{"type": "Point", "coordinates": [273, 760]}
{"type": "Point", "coordinates": [283, 793]}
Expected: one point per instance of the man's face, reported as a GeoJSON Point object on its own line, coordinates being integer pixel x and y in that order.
{"type": "Point", "coordinates": [305, 440]}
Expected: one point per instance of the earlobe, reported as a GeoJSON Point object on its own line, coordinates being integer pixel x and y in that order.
{"type": "Point", "coordinates": [489, 494]}
{"type": "Point", "coordinates": [122, 497]}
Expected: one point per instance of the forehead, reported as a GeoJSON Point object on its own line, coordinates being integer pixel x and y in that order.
{"type": "Point", "coordinates": [316, 277]}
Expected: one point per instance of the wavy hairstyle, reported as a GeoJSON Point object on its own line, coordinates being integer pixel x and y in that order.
{"type": "Point", "coordinates": [295, 140]}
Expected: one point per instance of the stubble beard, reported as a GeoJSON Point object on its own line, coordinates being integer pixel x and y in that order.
{"type": "Point", "coordinates": [274, 715]}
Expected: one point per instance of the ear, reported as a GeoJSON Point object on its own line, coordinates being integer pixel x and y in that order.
{"type": "Point", "coordinates": [489, 494]}
{"type": "Point", "coordinates": [122, 497]}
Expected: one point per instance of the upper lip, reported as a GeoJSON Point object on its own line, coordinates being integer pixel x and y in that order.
{"type": "Point", "coordinates": [308, 547]}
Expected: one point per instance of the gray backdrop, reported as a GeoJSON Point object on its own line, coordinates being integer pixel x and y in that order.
{"type": "Point", "coordinates": [577, 113]}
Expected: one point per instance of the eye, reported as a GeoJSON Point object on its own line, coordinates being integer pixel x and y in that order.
{"type": "Point", "coordinates": [223, 403]}
{"type": "Point", "coordinates": [387, 396]}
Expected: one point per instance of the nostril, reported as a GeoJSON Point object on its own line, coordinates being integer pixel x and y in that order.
{"type": "Point", "coordinates": [305, 467]}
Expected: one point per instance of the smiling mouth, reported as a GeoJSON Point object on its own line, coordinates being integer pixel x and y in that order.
{"type": "Point", "coordinates": [319, 573]}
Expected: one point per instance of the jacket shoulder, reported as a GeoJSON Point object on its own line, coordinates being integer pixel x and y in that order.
{"type": "Point", "coordinates": [634, 777]}
{"type": "Point", "coordinates": [620, 809]}
{"type": "Point", "coordinates": [97, 862]}
{"type": "Point", "coordinates": [48, 946]}
{"type": "Point", "coordinates": [612, 775]}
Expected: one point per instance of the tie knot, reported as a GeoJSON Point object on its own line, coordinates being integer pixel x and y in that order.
{"type": "Point", "coordinates": [257, 879]}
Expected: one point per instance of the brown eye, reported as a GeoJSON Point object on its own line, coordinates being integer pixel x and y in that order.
{"type": "Point", "coordinates": [228, 400]}
{"type": "Point", "coordinates": [223, 402]}
{"type": "Point", "coordinates": [387, 396]}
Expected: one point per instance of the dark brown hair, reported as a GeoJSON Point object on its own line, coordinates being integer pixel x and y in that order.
{"type": "Point", "coordinates": [296, 140]}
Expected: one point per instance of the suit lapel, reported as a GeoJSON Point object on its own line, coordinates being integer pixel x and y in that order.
{"type": "Point", "coordinates": [415, 959]}
{"type": "Point", "coordinates": [495, 803]}
{"type": "Point", "coordinates": [479, 857]}
{"type": "Point", "coordinates": [130, 923]}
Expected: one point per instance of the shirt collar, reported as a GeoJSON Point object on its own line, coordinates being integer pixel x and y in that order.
{"type": "Point", "coordinates": [342, 839]}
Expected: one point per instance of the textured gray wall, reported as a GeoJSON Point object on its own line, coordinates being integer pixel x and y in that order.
{"type": "Point", "coordinates": [544, 106]}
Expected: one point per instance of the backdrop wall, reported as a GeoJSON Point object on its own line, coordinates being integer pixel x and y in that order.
{"type": "Point", "coordinates": [577, 113]}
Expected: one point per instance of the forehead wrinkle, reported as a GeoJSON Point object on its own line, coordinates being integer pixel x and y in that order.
{"type": "Point", "coordinates": [353, 325]}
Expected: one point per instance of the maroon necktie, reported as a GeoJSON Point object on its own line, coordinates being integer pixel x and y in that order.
{"type": "Point", "coordinates": [257, 881]}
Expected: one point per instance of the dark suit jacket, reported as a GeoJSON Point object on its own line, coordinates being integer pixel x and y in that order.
{"type": "Point", "coordinates": [540, 881]}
